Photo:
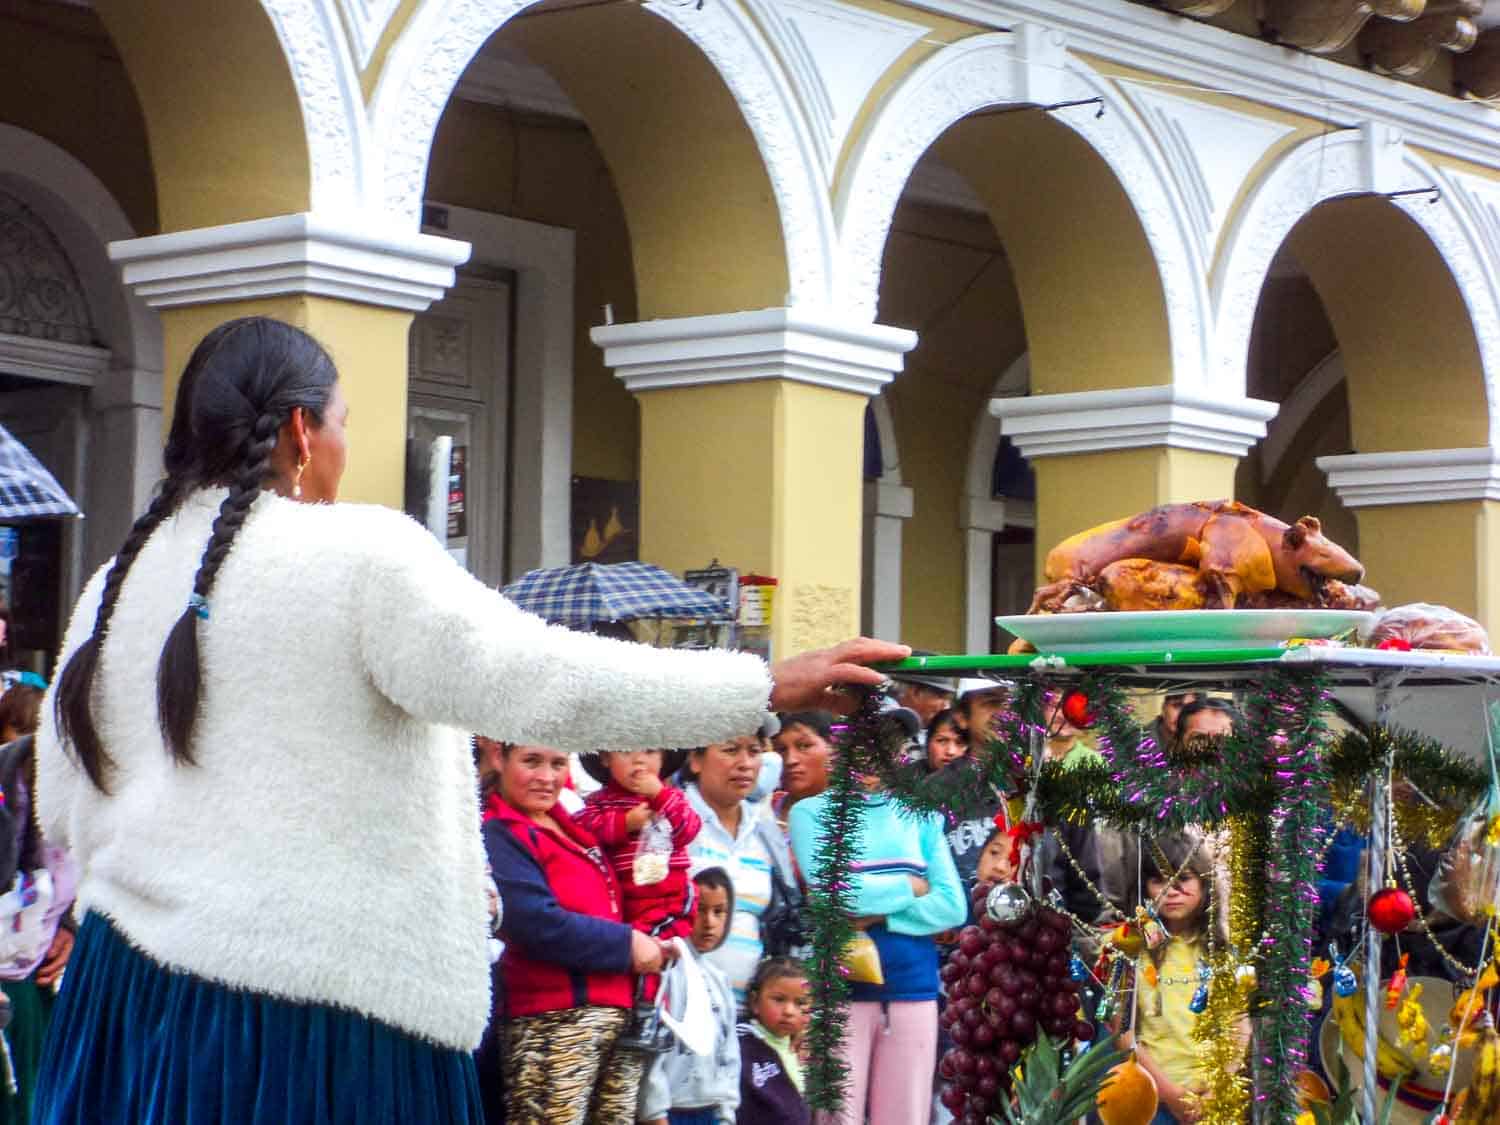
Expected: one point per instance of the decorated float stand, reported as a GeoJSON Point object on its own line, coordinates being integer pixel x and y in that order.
{"type": "Point", "coordinates": [1274, 789]}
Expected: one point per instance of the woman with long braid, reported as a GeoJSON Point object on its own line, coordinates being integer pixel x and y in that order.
{"type": "Point", "coordinates": [262, 940]}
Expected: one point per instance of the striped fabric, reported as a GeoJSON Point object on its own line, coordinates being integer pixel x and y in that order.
{"type": "Point", "coordinates": [582, 595]}
{"type": "Point", "coordinates": [27, 489]}
{"type": "Point", "coordinates": [746, 859]}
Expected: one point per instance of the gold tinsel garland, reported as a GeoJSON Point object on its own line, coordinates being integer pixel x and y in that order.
{"type": "Point", "coordinates": [1221, 1052]}
{"type": "Point", "coordinates": [1416, 820]}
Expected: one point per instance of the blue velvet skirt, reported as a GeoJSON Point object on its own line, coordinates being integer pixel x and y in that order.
{"type": "Point", "coordinates": [132, 1042]}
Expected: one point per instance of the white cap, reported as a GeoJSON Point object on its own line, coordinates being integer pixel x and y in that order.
{"type": "Point", "coordinates": [973, 685]}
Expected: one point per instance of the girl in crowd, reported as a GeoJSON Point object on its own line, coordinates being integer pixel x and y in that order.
{"type": "Point", "coordinates": [249, 628]}
{"type": "Point", "coordinates": [770, 1069]}
{"type": "Point", "coordinates": [739, 838]}
{"type": "Point", "coordinates": [947, 740]}
{"type": "Point", "coordinates": [1179, 880]}
{"type": "Point", "coordinates": [905, 891]}
{"type": "Point", "coordinates": [569, 955]}
{"type": "Point", "coordinates": [805, 743]}
{"type": "Point", "coordinates": [645, 826]}
{"type": "Point", "coordinates": [682, 1088]}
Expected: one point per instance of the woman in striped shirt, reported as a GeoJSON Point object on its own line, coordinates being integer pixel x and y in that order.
{"type": "Point", "coordinates": [739, 837]}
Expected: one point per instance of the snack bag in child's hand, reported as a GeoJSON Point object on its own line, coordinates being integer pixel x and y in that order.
{"type": "Point", "coordinates": [653, 852]}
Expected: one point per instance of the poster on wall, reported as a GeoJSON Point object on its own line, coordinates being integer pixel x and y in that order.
{"type": "Point", "coordinates": [606, 520]}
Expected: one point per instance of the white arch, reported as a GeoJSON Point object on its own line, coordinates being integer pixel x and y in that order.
{"type": "Point", "coordinates": [1026, 67]}
{"type": "Point", "coordinates": [1311, 391]}
{"type": "Point", "coordinates": [86, 218]}
{"type": "Point", "coordinates": [444, 35]}
{"type": "Point", "coordinates": [341, 160]}
{"type": "Point", "coordinates": [1363, 161]}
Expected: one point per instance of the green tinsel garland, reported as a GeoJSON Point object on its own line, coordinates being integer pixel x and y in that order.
{"type": "Point", "coordinates": [830, 903]}
{"type": "Point", "coordinates": [1425, 762]}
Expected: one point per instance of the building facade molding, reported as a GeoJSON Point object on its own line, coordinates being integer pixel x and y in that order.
{"type": "Point", "coordinates": [1132, 418]}
{"type": "Point", "coordinates": [780, 343]}
{"type": "Point", "coordinates": [52, 360]}
{"type": "Point", "coordinates": [1423, 476]}
{"type": "Point", "coordinates": [290, 254]}
{"type": "Point", "coordinates": [1218, 60]}
{"type": "Point", "coordinates": [1029, 66]}
{"type": "Point", "coordinates": [1371, 159]}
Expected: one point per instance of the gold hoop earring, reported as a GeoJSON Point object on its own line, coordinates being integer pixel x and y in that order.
{"type": "Point", "coordinates": [297, 483]}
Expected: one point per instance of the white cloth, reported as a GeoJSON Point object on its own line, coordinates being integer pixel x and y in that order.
{"type": "Point", "coordinates": [679, 1079]}
{"type": "Point", "coordinates": [326, 846]}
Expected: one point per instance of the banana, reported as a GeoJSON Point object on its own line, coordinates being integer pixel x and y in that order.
{"type": "Point", "coordinates": [1482, 1105]}
{"type": "Point", "coordinates": [1392, 1062]}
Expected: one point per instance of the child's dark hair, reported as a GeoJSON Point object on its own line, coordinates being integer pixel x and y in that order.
{"type": "Point", "coordinates": [819, 722]}
{"type": "Point", "coordinates": [947, 717]}
{"type": "Point", "coordinates": [718, 878]}
{"type": "Point", "coordinates": [774, 969]}
{"type": "Point", "coordinates": [1175, 855]}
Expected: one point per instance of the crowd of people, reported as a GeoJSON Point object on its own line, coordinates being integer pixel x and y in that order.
{"type": "Point", "coordinates": [249, 841]}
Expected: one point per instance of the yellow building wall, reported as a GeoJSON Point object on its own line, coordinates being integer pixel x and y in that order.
{"type": "Point", "coordinates": [62, 79]}
{"type": "Point", "coordinates": [367, 344]}
{"type": "Point", "coordinates": [225, 126]}
{"type": "Point", "coordinates": [550, 171]}
{"type": "Point", "coordinates": [763, 475]}
{"type": "Point", "coordinates": [1465, 578]}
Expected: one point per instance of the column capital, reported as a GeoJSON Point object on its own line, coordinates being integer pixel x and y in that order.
{"type": "Point", "coordinates": [372, 262]}
{"type": "Point", "coordinates": [822, 349]}
{"type": "Point", "coordinates": [1418, 476]}
{"type": "Point", "coordinates": [1132, 418]}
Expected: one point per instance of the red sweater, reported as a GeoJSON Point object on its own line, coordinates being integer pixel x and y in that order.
{"type": "Point", "coordinates": [566, 944]}
{"type": "Point", "coordinates": [664, 906]}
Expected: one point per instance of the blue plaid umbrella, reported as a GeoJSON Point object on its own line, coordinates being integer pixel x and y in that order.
{"type": "Point", "coordinates": [27, 489]}
{"type": "Point", "coordinates": [590, 592]}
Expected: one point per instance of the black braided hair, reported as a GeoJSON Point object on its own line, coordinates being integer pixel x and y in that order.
{"type": "Point", "coordinates": [75, 686]}
{"type": "Point", "coordinates": [239, 388]}
{"type": "Point", "coordinates": [178, 682]}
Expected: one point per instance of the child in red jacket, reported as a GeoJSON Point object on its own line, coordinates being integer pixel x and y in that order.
{"type": "Point", "coordinates": [645, 826]}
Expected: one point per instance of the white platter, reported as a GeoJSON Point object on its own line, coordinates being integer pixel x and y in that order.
{"type": "Point", "coordinates": [1183, 630]}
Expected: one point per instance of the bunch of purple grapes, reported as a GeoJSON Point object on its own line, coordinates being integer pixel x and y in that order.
{"type": "Point", "coordinates": [1005, 984]}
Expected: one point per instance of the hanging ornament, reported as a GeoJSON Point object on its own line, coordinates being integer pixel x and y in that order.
{"type": "Point", "coordinates": [1345, 983]}
{"type": "Point", "coordinates": [1244, 978]}
{"type": "Point", "coordinates": [1397, 984]}
{"type": "Point", "coordinates": [1075, 708]}
{"type": "Point", "coordinates": [1200, 994]}
{"type": "Point", "coordinates": [1077, 969]}
{"type": "Point", "coordinates": [1391, 910]}
{"type": "Point", "coordinates": [1440, 1058]}
{"type": "Point", "coordinates": [1128, 1095]}
{"type": "Point", "coordinates": [1007, 903]}
{"type": "Point", "coordinates": [1127, 939]}
{"type": "Point", "coordinates": [1152, 931]}
{"type": "Point", "coordinates": [1313, 995]}
{"type": "Point", "coordinates": [1415, 1030]}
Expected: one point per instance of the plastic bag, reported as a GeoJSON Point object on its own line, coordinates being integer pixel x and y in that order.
{"type": "Point", "coordinates": [1423, 626]}
{"type": "Point", "coordinates": [684, 1001]}
{"type": "Point", "coordinates": [653, 852]}
{"type": "Point", "coordinates": [862, 959]}
{"type": "Point", "coordinates": [1467, 882]}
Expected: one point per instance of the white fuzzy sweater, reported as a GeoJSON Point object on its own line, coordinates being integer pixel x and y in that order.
{"type": "Point", "coordinates": [326, 846]}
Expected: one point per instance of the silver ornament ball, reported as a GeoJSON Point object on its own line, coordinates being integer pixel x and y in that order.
{"type": "Point", "coordinates": [1007, 903]}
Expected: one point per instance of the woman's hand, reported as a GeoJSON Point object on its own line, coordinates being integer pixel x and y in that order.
{"type": "Point", "coordinates": [808, 680]}
{"type": "Point", "coordinates": [919, 885]}
{"type": "Point", "coordinates": [646, 953]}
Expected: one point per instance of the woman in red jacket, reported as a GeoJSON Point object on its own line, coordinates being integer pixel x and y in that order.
{"type": "Point", "coordinates": [569, 957]}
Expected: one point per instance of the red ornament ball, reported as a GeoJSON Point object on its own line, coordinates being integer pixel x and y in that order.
{"type": "Point", "coordinates": [1075, 708]}
{"type": "Point", "coordinates": [1395, 644]}
{"type": "Point", "coordinates": [1391, 910]}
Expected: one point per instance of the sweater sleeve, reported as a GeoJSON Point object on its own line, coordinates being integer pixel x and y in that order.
{"type": "Point", "coordinates": [58, 775]}
{"type": "Point", "coordinates": [873, 895]}
{"type": "Point", "coordinates": [604, 821]}
{"type": "Point", "coordinates": [447, 649]}
{"type": "Point", "coordinates": [537, 924]}
{"type": "Point", "coordinates": [944, 905]}
{"type": "Point", "coordinates": [673, 805]}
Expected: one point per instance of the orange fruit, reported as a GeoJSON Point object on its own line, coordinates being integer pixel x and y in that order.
{"type": "Point", "coordinates": [1127, 1095]}
{"type": "Point", "coordinates": [1313, 1089]}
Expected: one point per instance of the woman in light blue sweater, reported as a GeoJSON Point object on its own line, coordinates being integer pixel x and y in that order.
{"type": "Point", "coordinates": [906, 890]}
